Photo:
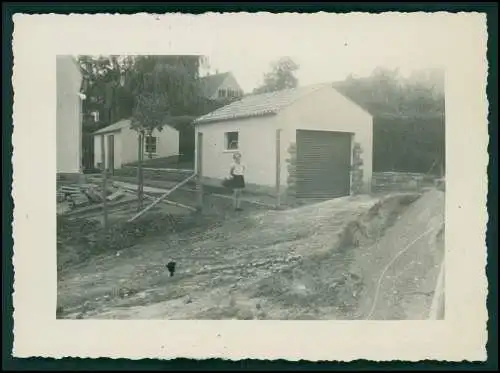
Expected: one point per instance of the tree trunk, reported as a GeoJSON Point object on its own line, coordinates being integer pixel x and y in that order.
{"type": "Point", "coordinates": [140, 178]}
{"type": "Point", "coordinates": [150, 154]}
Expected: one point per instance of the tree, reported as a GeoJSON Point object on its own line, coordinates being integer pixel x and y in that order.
{"type": "Point", "coordinates": [280, 77]}
{"type": "Point", "coordinates": [165, 91]}
{"type": "Point", "coordinates": [386, 92]}
{"type": "Point", "coordinates": [151, 90]}
{"type": "Point", "coordinates": [104, 84]}
{"type": "Point", "coordinates": [408, 128]}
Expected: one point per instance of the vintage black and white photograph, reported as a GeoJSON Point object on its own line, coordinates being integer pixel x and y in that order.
{"type": "Point", "coordinates": [294, 169]}
{"type": "Point", "coordinates": [183, 194]}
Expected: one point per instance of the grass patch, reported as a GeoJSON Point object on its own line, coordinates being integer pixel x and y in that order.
{"type": "Point", "coordinates": [78, 239]}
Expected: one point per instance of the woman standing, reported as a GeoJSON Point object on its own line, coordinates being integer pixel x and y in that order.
{"type": "Point", "coordinates": [237, 172]}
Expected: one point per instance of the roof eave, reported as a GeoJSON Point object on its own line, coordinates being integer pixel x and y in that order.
{"type": "Point", "coordinates": [101, 132]}
{"type": "Point", "coordinates": [240, 117]}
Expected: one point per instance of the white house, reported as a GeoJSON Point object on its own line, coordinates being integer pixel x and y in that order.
{"type": "Point", "coordinates": [301, 139]}
{"type": "Point", "coordinates": [121, 144]}
{"type": "Point", "coordinates": [68, 115]}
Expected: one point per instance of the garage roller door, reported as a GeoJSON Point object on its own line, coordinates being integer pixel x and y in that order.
{"type": "Point", "coordinates": [323, 164]}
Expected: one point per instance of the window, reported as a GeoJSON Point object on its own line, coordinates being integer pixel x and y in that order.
{"type": "Point", "coordinates": [231, 140]}
{"type": "Point", "coordinates": [150, 144]}
{"type": "Point", "coordinates": [222, 93]}
{"type": "Point", "coordinates": [95, 114]}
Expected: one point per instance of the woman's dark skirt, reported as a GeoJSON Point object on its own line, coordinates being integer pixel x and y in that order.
{"type": "Point", "coordinates": [235, 182]}
{"type": "Point", "coordinates": [238, 182]}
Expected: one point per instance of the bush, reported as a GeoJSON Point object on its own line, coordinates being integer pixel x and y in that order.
{"type": "Point", "coordinates": [409, 144]}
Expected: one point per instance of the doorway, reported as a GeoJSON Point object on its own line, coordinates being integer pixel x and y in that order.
{"type": "Point", "coordinates": [111, 154]}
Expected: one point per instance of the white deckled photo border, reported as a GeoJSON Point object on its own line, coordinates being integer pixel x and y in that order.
{"type": "Point", "coordinates": [461, 336]}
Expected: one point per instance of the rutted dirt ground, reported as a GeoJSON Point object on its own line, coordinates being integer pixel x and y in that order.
{"type": "Point", "coordinates": [314, 262]}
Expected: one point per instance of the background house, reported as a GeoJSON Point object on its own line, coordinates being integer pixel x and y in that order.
{"type": "Point", "coordinates": [121, 144]}
{"type": "Point", "coordinates": [68, 115]}
{"type": "Point", "coordinates": [214, 91]}
{"type": "Point", "coordinates": [220, 87]}
{"type": "Point", "coordinates": [318, 129]}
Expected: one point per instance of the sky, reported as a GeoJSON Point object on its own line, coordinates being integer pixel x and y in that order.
{"type": "Point", "coordinates": [328, 47]}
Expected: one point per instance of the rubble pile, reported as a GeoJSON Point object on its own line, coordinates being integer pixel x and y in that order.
{"type": "Point", "coordinates": [75, 196]}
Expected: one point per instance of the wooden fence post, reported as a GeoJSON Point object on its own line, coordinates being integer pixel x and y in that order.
{"type": "Point", "coordinates": [278, 167]}
{"type": "Point", "coordinates": [140, 181]}
{"type": "Point", "coordinates": [199, 169]}
{"type": "Point", "coordinates": [104, 184]}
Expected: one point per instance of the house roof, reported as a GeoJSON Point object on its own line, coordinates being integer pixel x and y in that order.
{"type": "Point", "coordinates": [260, 104]}
{"type": "Point", "coordinates": [118, 126]}
{"type": "Point", "coordinates": [115, 127]}
{"type": "Point", "coordinates": [209, 84]}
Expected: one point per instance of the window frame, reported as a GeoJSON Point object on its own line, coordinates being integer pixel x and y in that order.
{"type": "Point", "coordinates": [155, 144]}
{"type": "Point", "coordinates": [227, 141]}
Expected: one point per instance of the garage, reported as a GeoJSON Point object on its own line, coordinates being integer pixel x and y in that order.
{"type": "Point", "coordinates": [323, 164]}
{"type": "Point", "coordinates": [315, 126]}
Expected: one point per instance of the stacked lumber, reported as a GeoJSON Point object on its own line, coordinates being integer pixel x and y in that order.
{"type": "Point", "coordinates": [83, 195]}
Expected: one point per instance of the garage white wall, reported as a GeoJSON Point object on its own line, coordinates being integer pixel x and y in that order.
{"type": "Point", "coordinates": [256, 144]}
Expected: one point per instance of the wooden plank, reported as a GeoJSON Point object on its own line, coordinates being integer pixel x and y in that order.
{"type": "Point", "coordinates": [172, 203]}
{"type": "Point", "coordinates": [158, 200]}
{"type": "Point", "coordinates": [168, 202]}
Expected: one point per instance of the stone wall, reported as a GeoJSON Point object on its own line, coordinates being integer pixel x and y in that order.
{"type": "Point", "coordinates": [291, 181]}
{"type": "Point", "coordinates": [400, 181]}
{"type": "Point", "coordinates": [357, 170]}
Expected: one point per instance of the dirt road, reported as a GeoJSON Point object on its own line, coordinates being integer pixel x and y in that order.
{"type": "Point", "coordinates": [312, 262]}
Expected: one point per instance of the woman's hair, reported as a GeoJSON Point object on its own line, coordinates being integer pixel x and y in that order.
{"type": "Point", "coordinates": [236, 155]}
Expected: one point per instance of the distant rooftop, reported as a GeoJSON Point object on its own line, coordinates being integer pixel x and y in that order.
{"type": "Point", "coordinates": [118, 126]}
{"type": "Point", "coordinates": [209, 84]}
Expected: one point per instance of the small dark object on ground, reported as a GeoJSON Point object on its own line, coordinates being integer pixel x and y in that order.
{"type": "Point", "coordinates": [171, 267]}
